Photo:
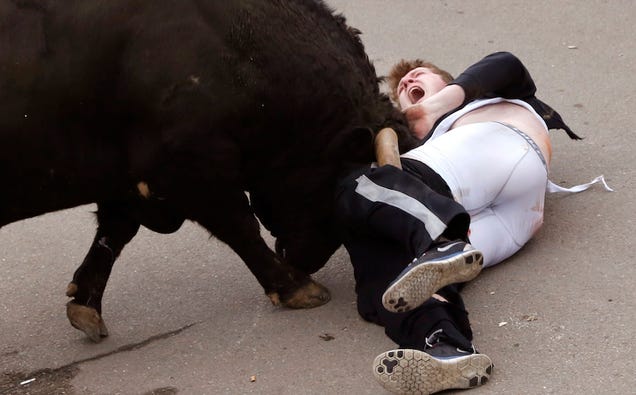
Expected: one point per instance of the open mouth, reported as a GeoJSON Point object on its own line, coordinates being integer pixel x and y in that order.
{"type": "Point", "coordinates": [416, 94]}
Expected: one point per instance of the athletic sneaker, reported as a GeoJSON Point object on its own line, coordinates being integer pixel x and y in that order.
{"type": "Point", "coordinates": [438, 368]}
{"type": "Point", "coordinates": [447, 263]}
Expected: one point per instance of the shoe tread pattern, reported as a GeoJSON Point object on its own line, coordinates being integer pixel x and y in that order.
{"type": "Point", "coordinates": [409, 372]}
{"type": "Point", "coordinates": [423, 280]}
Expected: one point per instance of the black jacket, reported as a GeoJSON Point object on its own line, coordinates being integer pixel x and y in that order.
{"type": "Point", "coordinates": [502, 74]}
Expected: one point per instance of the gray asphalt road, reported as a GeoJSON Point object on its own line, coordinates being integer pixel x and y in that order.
{"type": "Point", "coordinates": [186, 316]}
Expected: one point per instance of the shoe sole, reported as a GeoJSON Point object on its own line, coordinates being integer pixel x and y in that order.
{"type": "Point", "coordinates": [416, 372]}
{"type": "Point", "coordinates": [422, 281]}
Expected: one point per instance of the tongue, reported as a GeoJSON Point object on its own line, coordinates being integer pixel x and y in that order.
{"type": "Point", "coordinates": [416, 94]}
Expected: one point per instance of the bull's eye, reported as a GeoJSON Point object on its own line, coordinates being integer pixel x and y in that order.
{"type": "Point", "coordinates": [280, 249]}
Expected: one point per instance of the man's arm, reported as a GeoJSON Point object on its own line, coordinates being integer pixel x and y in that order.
{"type": "Point", "coordinates": [500, 74]}
{"type": "Point", "coordinates": [422, 116]}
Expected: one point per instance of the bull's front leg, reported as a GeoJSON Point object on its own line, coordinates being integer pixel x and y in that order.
{"type": "Point", "coordinates": [232, 222]}
{"type": "Point", "coordinates": [115, 229]}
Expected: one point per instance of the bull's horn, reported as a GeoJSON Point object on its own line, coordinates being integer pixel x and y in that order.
{"type": "Point", "coordinates": [386, 148]}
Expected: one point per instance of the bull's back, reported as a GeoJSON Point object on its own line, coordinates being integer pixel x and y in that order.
{"type": "Point", "coordinates": [85, 60]}
{"type": "Point", "coordinates": [97, 94]}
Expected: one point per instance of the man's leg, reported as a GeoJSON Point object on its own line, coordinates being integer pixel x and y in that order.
{"type": "Point", "coordinates": [387, 218]}
{"type": "Point", "coordinates": [435, 330]}
{"type": "Point", "coordinates": [407, 207]}
{"type": "Point", "coordinates": [444, 264]}
{"type": "Point", "coordinates": [435, 350]}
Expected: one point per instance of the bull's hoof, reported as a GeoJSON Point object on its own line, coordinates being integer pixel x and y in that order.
{"type": "Point", "coordinates": [71, 290]}
{"type": "Point", "coordinates": [87, 320]}
{"type": "Point", "coordinates": [306, 297]}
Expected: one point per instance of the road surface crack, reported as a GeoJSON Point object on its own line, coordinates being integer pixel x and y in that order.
{"type": "Point", "coordinates": [57, 380]}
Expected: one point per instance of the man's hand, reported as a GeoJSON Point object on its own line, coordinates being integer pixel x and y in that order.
{"type": "Point", "coordinates": [419, 119]}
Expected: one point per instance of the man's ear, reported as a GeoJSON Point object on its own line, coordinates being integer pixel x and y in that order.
{"type": "Point", "coordinates": [355, 145]}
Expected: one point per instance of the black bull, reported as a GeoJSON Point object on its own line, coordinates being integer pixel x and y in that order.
{"type": "Point", "coordinates": [161, 111]}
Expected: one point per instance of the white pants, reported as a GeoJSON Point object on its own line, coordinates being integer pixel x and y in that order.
{"type": "Point", "coordinates": [499, 178]}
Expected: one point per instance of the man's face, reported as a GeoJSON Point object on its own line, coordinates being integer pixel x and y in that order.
{"type": "Point", "coordinates": [418, 84]}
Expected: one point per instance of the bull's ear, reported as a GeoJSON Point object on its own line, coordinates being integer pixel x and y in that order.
{"type": "Point", "coordinates": [355, 145]}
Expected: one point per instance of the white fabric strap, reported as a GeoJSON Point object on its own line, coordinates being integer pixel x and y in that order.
{"type": "Point", "coordinates": [552, 187]}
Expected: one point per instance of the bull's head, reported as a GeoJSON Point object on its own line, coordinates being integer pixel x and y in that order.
{"type": "Point", "coordinates": [295, 203]}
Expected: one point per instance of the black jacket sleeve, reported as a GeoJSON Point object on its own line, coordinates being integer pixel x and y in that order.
{"type": "Point", "coordinates": [502, 74]}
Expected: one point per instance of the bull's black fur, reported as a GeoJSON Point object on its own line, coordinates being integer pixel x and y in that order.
{"type": "Point", "coordinates": [202, 100]}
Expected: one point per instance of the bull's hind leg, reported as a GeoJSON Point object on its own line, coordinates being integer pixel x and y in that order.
{"type": "Point", "coordinates": [232, 222]}
{"type": "Point", "coordinates": [116, 227]}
